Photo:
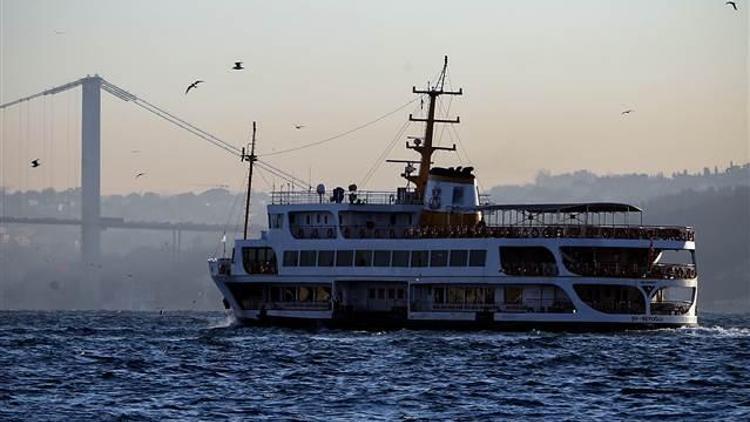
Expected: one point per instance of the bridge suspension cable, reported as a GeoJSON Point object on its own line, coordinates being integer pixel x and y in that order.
{"type": "Point", "coordinates": [124, 95]}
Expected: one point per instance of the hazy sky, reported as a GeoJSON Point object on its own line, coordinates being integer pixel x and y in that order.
{"type": "Point", "coordinates": [545, 83]}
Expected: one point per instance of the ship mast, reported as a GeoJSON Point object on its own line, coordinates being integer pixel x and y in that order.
{"type": "Point", "coordinates": [251, 159]}
{"type": "Point", "coordinates": [424, 147]}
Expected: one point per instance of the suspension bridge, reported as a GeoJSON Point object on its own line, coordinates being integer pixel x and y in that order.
{"type": "Point", "coordinates": [91, 221]}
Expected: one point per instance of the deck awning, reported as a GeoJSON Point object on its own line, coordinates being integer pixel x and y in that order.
{"type": "Point", "coordinates": [567, 208]}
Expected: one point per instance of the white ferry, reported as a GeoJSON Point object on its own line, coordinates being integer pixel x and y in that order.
{"type": "Point", "coordinates": [434, 254]}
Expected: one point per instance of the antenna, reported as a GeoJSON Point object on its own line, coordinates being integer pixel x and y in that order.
{"type": "Point", "coordinates": [251, 159]}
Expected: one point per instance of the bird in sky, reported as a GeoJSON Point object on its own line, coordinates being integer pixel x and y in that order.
{"type": "Point", "coordinates": [298, 127]}
{"type": "Point", "coordinates": [35, 163]}
{"type": "Point", "coordinates": [192, 85]}
{"type": "Point", "coordinates": [628, 111]}
{"type": "Point", "coordinates": [139, 175]}
{"type": "Point", "coordinates": [731, 3]}
{"type": "Point", "coordinates": [238, 66]}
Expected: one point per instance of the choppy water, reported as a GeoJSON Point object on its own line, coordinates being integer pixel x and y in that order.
{"type": "Point", "coordinates": [140, 366]}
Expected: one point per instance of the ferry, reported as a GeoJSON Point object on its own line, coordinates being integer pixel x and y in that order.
{"type": "Point", "coordinates": [436, 254]}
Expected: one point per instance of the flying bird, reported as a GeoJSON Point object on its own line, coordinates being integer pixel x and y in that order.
{"type": "Point", "coordinates": [298, 127]}
{"type": "Point", "coordinates": [35, 163]}
{"type": "Point", "coordinates": [139, 175]}
{"type": "Point", "coordinates": [628, 111]}
{"type": "Point", "coordinates": [192, 85]}
{"type": "Point", "coordinates": [731, 3]}
{"type": "Point", "coordinates": [238, 66]}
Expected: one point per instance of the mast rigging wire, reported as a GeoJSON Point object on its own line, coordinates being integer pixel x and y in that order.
{"type": "Point", "coordinates": [342, 134]}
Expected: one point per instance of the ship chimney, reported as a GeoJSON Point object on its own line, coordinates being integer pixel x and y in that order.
{"type": "Point", "coordinates": [451, 197]}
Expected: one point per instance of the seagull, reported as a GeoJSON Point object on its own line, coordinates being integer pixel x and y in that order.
{"type": "Point", "coordinates": [628, 111]}
{"type": "Point", "coordinates": [731, 3]}
{"type": "Point", "coordinates": [139, 175]}
{"type": "Point", "coordinates": [35, 163]}
{"type": "Point", "coordinates": [238, 66]}
{"type": "Point", "coordinates": [192, 85]}
{"type": "Point", "coordinates": [298, 127]}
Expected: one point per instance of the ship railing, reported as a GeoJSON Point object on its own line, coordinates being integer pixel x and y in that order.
{"type": "Point", "coordinates": [620, 270]}
{"type": "Point", "coordinates": [487, 307]}
{"type": "Point", "coordinates": [314, 232]}
{"type": "Point", "coordinates": [641, 232]}
{"type": "Point", "coordinates": [666, 307]}
{"type": "Point", "coordinates": [530, 269]}
{"type": "Point", "coordinates": [359, 197]}
{"type": "Point", "coordinates": [255, 304]}
{"type": "Point", "coordinates": [301, 306]}
{"type": "Point", "coordinates": [363, 231]}
{"type": "Point", "coordinates": [554, 307]}
{"type": "Point", "coordinates": [221, 266]}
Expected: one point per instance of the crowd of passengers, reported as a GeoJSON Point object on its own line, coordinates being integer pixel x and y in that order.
{"type": "Point", "coordinates": [482, 230]}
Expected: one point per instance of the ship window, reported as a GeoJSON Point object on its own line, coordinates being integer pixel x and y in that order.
{"type": "Point", "coordinates": [304, 294]}
{"type": "Point", "coordinates": [382, 258]}
{"type": "Point", "coordinates": [458, 195]}
{"type": "Point", "coordinates": [288, 294]}
{"type": "Point", "coordinates": [400, 259]}
{"type": "Point", "coordinates": [322, 294]}
{"type": "Point", "coordinates": [419, 258]}
{"type": "Point", "coordinates": [275, 294]}
{"type": "Point", "coordinates": [672, 300]}
{"type": "Point", "coordinates": [459, 257]}
{"type": "Point", "coordinates": [381, 293]}
{"type": "Point", "coordinates": [513, 295]}
{"type": "Point", "coordinates": [371, 293]}
{"type": "Point", "coordinates": [259, 260]}
{"type": "Point", "coordinates": [400, 293]}
{"type": "Point", "coordinates": [612, 299]}
{"type": "Point", "coordinates": [438, 295]}
{"type": "Point", "coordinates": [344, 258]}
{"type": "Point", "coordinates": [307, 258]}
{"type": "Point", "coordinates": [276, 221]}
{"type": "Point", "coordinates": [363, 258]}
{"type": "Point", "coordinates": [325, 258]}
{"type": "Point", "coordinates": [307, 219]}
{"type": "Point", "coordinates": [527, 261]}
{"type": "Point", "coordinates": [247, 295]}
{"type": "Point", "coordinates": [391, 293]}
{"type": "Point", "coordinates": [393, 219]}
{"type": "Point", "coordinates": [438, 258]}
{"type": "Point", "coordinates": [477, 257]}
{"type": "Point", "coordinates": [290, 258]}
{"type": "Point", "coordinates": [456, 295]}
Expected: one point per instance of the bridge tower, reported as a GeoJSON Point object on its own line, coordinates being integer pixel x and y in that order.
{"type": "Point", "coordinates": [91, 169]}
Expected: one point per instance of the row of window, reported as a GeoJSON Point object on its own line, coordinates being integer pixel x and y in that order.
{"type": "Point", "coordinates": [386, 258]}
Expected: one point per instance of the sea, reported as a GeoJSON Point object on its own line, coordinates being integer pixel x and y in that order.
{"type": "Point", "coordinates": [145, 366]}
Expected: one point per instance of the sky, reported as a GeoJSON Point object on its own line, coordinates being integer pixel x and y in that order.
{"type": "Point", "coordinates": [544, 82]}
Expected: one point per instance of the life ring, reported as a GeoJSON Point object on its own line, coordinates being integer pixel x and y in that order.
{"type": "Point", "coordinates": [547, 232]}
{"type": "Point", "coordinates": [534, 232]}
{"type": "Point", "coordinates": [314, 234]}
{"type": "Point", "coordinates": [606, 233]}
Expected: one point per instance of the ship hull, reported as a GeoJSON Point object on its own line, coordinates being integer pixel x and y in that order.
{"type": "Point", "coordinates": [335, 315]}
